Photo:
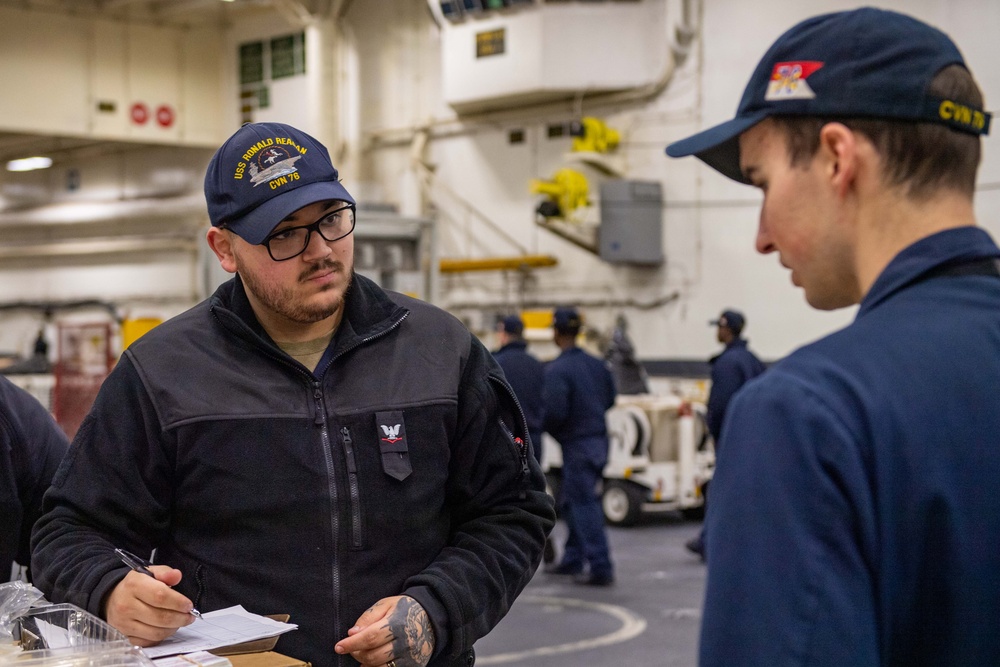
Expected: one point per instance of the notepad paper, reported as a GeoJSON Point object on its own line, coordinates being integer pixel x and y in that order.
{"type": "Point", "coordinates": [222, 627]}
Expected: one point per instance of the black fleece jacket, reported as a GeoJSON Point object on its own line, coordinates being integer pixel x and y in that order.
{"type": "Point", "coordinates": [394, 472]}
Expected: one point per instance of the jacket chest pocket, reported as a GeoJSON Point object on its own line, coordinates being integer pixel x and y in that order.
{"type": "Point", "coordinates": [397, 481]}
{"type": "Point", "coordinates": [393, 446]}
{"type": "Point", "coordinates": [395, 457]}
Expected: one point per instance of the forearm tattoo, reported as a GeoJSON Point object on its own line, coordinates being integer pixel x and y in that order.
{"type": "Point", "coordinates": [413, 636]}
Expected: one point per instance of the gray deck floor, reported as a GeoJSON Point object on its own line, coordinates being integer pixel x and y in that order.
{"type": "Point", "coordinates": [648, 618]}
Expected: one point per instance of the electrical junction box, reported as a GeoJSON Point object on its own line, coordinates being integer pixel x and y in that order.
{"type": "Point", "coordinates": [551, 51]}
{"type": "Point", "coordinates": [631, 228]}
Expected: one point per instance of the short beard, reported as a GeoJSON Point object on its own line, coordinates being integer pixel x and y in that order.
{"type": "Point", "coordinates": [282, 301]}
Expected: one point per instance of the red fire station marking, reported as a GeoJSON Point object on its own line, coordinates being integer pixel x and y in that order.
{"type": "Point", "coordinates": [140, 113]}
{"type": "Point", "coordinates": [165, 115]}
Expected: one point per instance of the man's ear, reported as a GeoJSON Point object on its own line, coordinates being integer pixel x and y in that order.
{"type": "Point", "coordinates": [221, 243]}
{"type": "Point", "coordinates": [838, 147]}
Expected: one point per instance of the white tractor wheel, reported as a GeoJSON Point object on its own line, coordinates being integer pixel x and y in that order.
{"type": "Point", "coordinates": [622, 503]}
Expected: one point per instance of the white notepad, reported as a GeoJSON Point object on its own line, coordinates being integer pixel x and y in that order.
{"type": "Point", "coordinates": [222, 627]}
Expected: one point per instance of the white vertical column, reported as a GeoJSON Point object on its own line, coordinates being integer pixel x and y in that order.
{"type": "Point", "coordinates": [322, 83]}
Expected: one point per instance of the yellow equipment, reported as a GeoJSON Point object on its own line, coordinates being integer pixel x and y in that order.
{"type": "Point", "coordinates": [568, 189]}
{"type": "Point", "coordinates": [133, 329]}
{"type": "Point", "coordinates": [593, 136]}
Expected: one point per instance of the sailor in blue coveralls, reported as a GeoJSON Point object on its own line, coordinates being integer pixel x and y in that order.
{"type": "Point", "coordinates": [855, 513]}
{"type": "Point", "coordinates": [579, 389]}
{"type": "Point", "coordinates": [526, 376]}
{"type": "Point", "coordinates": [731, 369]}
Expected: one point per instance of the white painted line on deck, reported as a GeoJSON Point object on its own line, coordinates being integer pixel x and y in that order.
{"type": "Point", "coordinates": [632, 626]}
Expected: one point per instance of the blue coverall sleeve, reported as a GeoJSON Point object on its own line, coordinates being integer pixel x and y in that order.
{"type": "Point", "coordinates": [727, 378]}
{"type": "Point", "coordinates": [790, 535]}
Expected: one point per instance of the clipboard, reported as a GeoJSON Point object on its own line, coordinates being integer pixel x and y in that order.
{"type": "Point", "coordinates": [255, 646]}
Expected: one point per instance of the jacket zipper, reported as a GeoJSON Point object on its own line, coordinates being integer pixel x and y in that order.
{"type": "Point", "coordinates": [352, 485]}
{"type": "Point", "coordinates": [522, 446]}
{"type": "Point", "coordinates": [364, 341]}
{"type": "Point", "coordinates": [199, 578]}
{"type": "Point", "coordinates": [320, 421]}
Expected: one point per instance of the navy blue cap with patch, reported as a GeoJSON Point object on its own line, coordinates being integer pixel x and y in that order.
{"type": "Point", "coordinates": [264, 173]}
{"type": "Point", "coordinates": [862, 63]}
{"type": "Point", "coordinates": [731, 319]}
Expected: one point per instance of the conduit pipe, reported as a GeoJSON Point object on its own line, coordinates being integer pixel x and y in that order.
{"type": "Point", "coordinates": [679, 49]}
{"type": "Point", "coordinates": [585, 303]}
{"type": "Point", "coordinates": [49, 307]}
{"type": "Point", "coordinates": [97, 247]}
{"type": "Point", "coordinates": [103, 211]}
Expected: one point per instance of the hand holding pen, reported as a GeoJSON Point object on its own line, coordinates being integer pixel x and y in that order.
{"type": "Point", "coordinates": [145, 608]}
{"type": "Point", "coordinates": [141, 565]}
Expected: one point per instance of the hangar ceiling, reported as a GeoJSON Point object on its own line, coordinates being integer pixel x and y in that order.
{"type": "Point", "coordinates": [173, 12]}
{"type": "Point", "coordinates": [177, 13]}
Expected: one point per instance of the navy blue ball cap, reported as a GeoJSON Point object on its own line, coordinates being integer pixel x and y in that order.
{"type": "Point", "coordinates": [732, 320]}
{"type": "Point", "coordinates": [566, 318]}
{"type": "Point", "coordinates": [264, 173]}
{"type": "Point", "coordinates": [866, 62]}
{"type": "Point", "coordinates": [512, 324]}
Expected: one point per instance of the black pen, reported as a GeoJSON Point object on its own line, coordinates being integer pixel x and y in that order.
{"type": "Point", "coordinates": [140, 565]}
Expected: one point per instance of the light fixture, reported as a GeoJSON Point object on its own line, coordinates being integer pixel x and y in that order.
{"type": "Point", "coordinates": [29, 164]}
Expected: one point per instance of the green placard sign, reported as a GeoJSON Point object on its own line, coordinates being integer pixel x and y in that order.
{"type": "Point", "coordinates": [288, 56]}
{"type": "Point", "coordinates": [251, 63]}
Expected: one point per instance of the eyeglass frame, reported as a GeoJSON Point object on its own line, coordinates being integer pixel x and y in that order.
{"type": "Point", "coordinates": [310, 228]}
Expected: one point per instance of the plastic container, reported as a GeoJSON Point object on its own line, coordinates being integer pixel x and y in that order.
{"type": "Point", "coordinates": [59, 626]}
{"type": "Point", "coordinates": [133, 657]}
{"type": "Point", "coordinates": [63, 635]}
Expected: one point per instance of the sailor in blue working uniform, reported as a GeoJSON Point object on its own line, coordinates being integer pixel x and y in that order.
{"type": "Point", "coordinates": [579, 389]}
{"type": "Point", "coordinates": [526, 377]}
{"type": "Point", "coordinates": [731, 369]}
{"type": "Point", "coordinates": [855, 513]}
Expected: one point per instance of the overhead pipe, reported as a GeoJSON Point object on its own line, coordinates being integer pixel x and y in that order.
{"type": "Point", "coordinates": [97, 247]}
{"type": "Point", "coordinates": [104, 211]}
{"type": "Point", "coordinates": [550, 304]}
{"type": "Point", "coordinates": [49, 307]}
{"type": "Point", "coordinates": [679, 49]}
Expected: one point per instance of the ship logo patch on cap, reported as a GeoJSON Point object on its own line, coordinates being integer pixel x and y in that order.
{"type": "Point", "coordinates": [272, 161]}
{"type": "Point", "coordinates": [276, 161]}
{"type": "Point", "coordinates": [788, 81]}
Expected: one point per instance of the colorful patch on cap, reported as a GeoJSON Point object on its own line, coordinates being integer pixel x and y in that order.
{"type": "Point", "coordinates": [270, 161]}
{"type": "Point", "coordinates": [788, 81]}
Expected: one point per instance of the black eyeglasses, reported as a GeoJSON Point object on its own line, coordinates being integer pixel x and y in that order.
{"type": "Point", "coordinates": [292, 241]}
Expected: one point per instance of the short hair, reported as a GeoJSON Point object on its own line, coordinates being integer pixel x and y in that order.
{"type": "Point", "coordinates": [566, 321]}
{"type": "Point", "coordinates": [920, 157]}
